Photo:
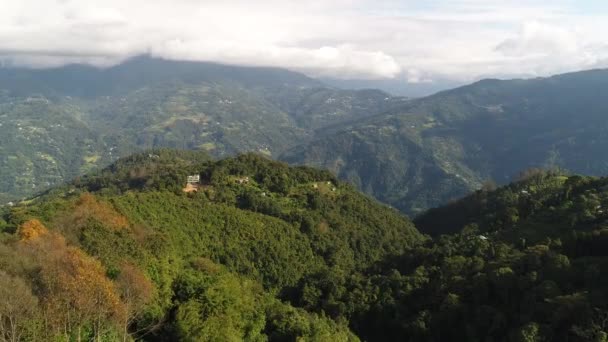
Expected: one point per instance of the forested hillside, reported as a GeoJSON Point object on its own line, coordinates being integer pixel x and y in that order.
{"type": "Point", "coordinates": [125, 253]}
{"type": "Point", "coordinates": [263, 251]}
{"type": "Point", "coordinates": [439, 148]}
{"type": "Point", "coordinates": [525, 262]}
{"type": "Point", "coordinates": [56, 124]}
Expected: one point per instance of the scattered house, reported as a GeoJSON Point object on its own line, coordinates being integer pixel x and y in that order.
{"type": "Point", "coordinates": [525, 192]}
{"type": "Point", "coordinates": [192, 183]}
{"type": "Point", "coordinates": [315, 186]}
{"type": "Point", "coordinates": [263, 194]}
{"type": "Point", "coordinates": [195, 179]}
{"type": "Point", "coordinates": [10, 204]}
{"type": "Point", "coordinates": [243, 180]}
{"type": "Point", "coordinates": [328, 183]}
{"type": "Point", "coordinates": [482, 237]}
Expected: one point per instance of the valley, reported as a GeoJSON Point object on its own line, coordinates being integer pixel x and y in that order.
{"type": "Point", "coordinates": [61, 123]}
{"type": "Point", "coordinates": [412, 154]}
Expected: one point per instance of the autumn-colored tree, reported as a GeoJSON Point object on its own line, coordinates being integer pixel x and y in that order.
{"type": "Point", "coordinates": [87, 208]}
{"type": "Point", "coordinates": [31, 230]}
{"type": "Point", "coordinates": [135, 290]}
{"type": "Point", "coordinates": [91, 294]}
{"type": "Point", "coordinates": [17, 306]}
{"type": "Point", "coordinates": [74, 290]}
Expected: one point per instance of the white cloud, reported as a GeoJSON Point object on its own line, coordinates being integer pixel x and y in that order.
{"type": "Point", "coordinates": [542, 49]}
{"type": "Point", "coordinates": [459, 39]}
{"type": "Point", "coordinates": [540, 39]}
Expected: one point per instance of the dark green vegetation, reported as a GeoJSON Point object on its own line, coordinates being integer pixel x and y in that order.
{"type": "Point", "coordinates": [57, 124]}
{"type": "Point", "coordinates": [529, 262]}
{"type": "Point", "coordinates": [125, 253]}
{"type": "Point", "coordinates": [432, 150]}
{"type": "Point", "coordinates": [264, 251]}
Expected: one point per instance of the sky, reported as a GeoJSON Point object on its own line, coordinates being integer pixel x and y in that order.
{"type": "Point", "coordinates": [417, 41]}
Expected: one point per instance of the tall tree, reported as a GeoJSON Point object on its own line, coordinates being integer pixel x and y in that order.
{"type": "Point", "coordinates": [135, 290]}
{"type": "Point", "coordinates": [17, 306]}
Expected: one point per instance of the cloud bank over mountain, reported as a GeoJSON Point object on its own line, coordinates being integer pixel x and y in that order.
{"type": "Point", "coordinates": [364, 39]}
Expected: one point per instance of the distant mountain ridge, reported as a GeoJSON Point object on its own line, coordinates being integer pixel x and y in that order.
{"type": "Point", "coordinates": [60, 123]}
{"type": "Point", "coordinates": [438, 148]}
{"type": "Point", "coordinates": [83, 80]}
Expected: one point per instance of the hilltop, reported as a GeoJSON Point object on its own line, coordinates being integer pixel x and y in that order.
{"type": "Point", "coordinates": [236, 260]}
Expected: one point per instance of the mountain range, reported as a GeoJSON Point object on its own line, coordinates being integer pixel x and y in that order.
{"type": "Point", "coordinates": [57, 124]}
{"type": "Point", "coordinates": [413, 154]}
{"type": "Point", "coordinates": [435, 149]}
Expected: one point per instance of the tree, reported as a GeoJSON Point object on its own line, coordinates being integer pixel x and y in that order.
{"type": "Point", "coordinates": [88, 208]}
{"type": "Point", "coordinates": [17, 306]}
{"type": "Point", "coordinates": [527, 333]}
{"type": "Point", "coordinates": [135, 290]}
{"type": "Point", "coordinates": [74, 290]}
{"type": "Point", "coordinates": [78, 292]}
{"type": "Point", "coordinates": [31, 230]}
{"type": "Point", "coordinates": [225, 308]}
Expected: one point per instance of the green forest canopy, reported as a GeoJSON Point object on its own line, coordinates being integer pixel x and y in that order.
{"type": "Point", "coordinates": [292, 253]}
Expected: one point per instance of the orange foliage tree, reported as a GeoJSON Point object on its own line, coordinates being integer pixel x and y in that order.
{"type": "Point", "coordinates": [88, 207]}
{"type": "Point", "coordinates": [74, 290]}
{"type": "Point", "coordinates": [32, 230]}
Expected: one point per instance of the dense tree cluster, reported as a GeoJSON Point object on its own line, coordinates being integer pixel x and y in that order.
{"type": "Point", "coordinates": [129, 255]}
{"type": "Point", "coordinates": [263, 251]}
